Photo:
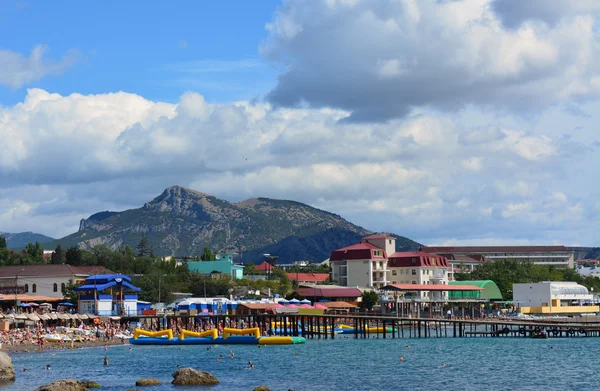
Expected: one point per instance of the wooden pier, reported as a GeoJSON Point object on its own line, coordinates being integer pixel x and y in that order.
{"type": "Point", "coordinates": [324, 326]}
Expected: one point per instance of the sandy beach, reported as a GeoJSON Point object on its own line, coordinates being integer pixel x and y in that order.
{"type": "Point", "coordinates": [32, 348]}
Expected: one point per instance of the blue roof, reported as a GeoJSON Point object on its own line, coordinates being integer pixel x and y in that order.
{"type": "Point", "coordinates": [107, 277]}
{"type": "Point", "coordinates": [101, 287]}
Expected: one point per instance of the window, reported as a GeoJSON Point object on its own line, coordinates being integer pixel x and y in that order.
{"type": "Point", "coordinates": [33, 288]}
{"type": "Point", "coordinates": [62, 287]}
{"type": "Point", "coordinates": [414, 272]}
{"type": "Point", "coordinates": [390, 241]}
{"type": "Point", "coordinates": [414, 261]}
{"type": "Point", "coordinates": [414, 282]}
{"type": "Point", "coordinates": [393, 273]}
{"type": "Point", "coordinates": [55, 287]}
{"type": "Point", "coordinates": [26, 288]}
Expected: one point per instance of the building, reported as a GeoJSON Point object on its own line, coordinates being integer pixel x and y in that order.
{"type": "Point", "coordinates": [559, 256]}
{"type": "Point", "coordinates": [459, 263]}
{"type": "Point", "coordinates": [308, 278]}
{"type": "Point", "coordinates": [591, 271]}
{"type": "Point", "coordinates": [264, 271]}
{"type": "Point", "coordinates": [224, 267]}
{"type": "Point", "coordinates": [43, 280]}
{"type": "Point", "coordinates": [562, 297]}
{"type": "Point", "coordinates": [490, 290]}
{"type": "Point", "coordinates": [419, 268]}
{"type": "Point", "coordinates": [363, 264]}
{"type": "Point", "coordinates": [107, 294]}
{"type": "Point", "coordinates": [316, 293]}
{"type": "Point", "coordinates": [374, 263]}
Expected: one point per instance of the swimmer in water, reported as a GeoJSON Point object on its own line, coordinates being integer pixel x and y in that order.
{"type": "Point", "coordinates": [105, 361]}
{"type": "Point", "coordinates": [47, 367]}
{"type": "Point", "coordinates": [250, 364]}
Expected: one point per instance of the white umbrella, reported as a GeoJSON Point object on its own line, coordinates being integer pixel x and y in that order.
{"type": "Point", "coordinates": [294, 301]}
{"type": "Point", "coordinates": [305, 301]}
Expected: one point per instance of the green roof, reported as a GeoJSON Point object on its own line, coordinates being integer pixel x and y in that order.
{"type": "Point", "coordinates": [490, 292]}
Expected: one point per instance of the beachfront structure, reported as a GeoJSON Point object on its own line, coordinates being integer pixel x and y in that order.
{"type": "Point", "coordinates": [308, 278]}
{"type": "Point", "coordinates": [589, 271]}
{"type": "Point", "coordinates": [317, 293]}
{"type": "Point", "coordinates": [553, 297]}
{"type": "Point", "coordinates": [224, 266]}
{"type": "Point", "coordinates": [41, 282]}
{"type": "Point", "coordinates": [559, 256]}
{"type": "Point", "coordinates": [490, 291]}
{"type": "Point", "coordinates": [107, 295]}
{"type": "Point", "coordinates": [419, 268]}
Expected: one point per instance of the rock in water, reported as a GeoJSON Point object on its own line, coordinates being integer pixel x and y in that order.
{"type": "Point", "coordinates": [147, 381]}
{"type": "Point", "coordinates": [261, 388]}
{"type": "Point", "coordinates": [7, 371]}
{"type": "Point", "coordinates": [65, 385]}
{"type": "Point", "coordinates": [187, 376]}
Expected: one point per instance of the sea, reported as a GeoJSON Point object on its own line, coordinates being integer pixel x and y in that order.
{"type": "Point", "coordinates": [340, 364]}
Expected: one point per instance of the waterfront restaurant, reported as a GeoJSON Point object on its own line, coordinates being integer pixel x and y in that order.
{"type": "Point", "coordinates": [107, 295]}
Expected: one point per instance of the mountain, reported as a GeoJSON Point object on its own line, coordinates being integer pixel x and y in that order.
{"type": "Point", "coordinates": [21, 239]}
{"type": "Point", "coordinates": [585, 252]}
{"type": "Point", "coordinates": [182, 222]}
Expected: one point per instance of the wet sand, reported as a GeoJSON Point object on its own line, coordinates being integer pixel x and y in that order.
{"type": "Point", "coordinates": [31, 348]}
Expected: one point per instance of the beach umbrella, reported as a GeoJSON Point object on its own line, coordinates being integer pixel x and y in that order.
{"type": "Point", "coordinates": [294, 301]}
{"type": "Point", "coordinates": [283, 301]}
{"type": "Point", "coordinates": [305, 301]}
{"type": "Point", "coordinates": [34, 305]}
{"type": "Point", "coordinates": [320, 306]}
{"type": "Point", "coordinates": [24, 305]}
{"type": "Point", "coordinates": [67, 304]}
{"type": "Point", "coordinates": [291, 306]}
{"type": "Point", "coordinates": [305, 306]}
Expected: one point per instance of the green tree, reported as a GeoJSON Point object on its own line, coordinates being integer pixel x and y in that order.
{"type": "Point", "coordinates": [34, 252]}
{"type": "Point", "coordinates": [74, 256]}
{"type": "Point", "coordinates": [143, 247]}
{"type": "Point", "coordinates": [58, 256]}
{"type": "Point", "coordinates": [68, 291]}
{"type": "Point", "coordinates": [369, 299]}
{"type": "Point", "coordinates": [3, 242]}
{"type": "Point", "coordinates": [207, 255]}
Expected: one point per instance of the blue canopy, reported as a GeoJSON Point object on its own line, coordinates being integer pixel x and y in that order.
{"type": "Point", "coordinates": [96, 287]}
{"type": "Point", "coordinates": [24, 305]}
{"type": "Point", "coordinates": [66, 304]}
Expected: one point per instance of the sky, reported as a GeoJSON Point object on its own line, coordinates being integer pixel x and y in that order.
{"type": "Point", "coordinates": [451, 122]}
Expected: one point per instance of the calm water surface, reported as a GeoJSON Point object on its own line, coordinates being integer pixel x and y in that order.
{"type": "Point", "coordinates": [342, 364]}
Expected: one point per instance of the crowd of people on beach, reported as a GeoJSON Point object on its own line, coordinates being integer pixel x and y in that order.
{"type": "Point", "coordinates": [34, 337]}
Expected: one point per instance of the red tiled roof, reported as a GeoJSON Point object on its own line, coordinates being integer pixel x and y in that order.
{"type": "Point", "coordinates": [265, 266]}
{"type": "Point", "coordinates": [50, 270]}
{"type": "Point", "coordinates": [379, 236]}
{"type": "Point", "coordinates": [337, 304]}
{"type": "Point", "coordinates": [356, 251]}
{"type": "Point", "coordinates": [434, 287]}
{"type": "Point", "coordinates": [492, 249]}
{"type": "Point", "coordinates": [329, 292]}
{"type": "Point", "coordinates": [308, 277]}
{"type": "Point", "coordinates": [405, 259]}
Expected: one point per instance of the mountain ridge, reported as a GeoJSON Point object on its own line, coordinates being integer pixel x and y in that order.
{"type": "Point", "coordinates": [20, 239]}
{"type": "Point", "coordinates": [183, 221]}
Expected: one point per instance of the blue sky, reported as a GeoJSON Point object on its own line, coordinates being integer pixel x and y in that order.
{"type": "Point", "coordinates": [449, 122]}
{"type": "Point", "coordinates": [157, 51]}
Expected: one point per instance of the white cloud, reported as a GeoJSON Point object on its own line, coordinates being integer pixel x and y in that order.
{"type": "Point", "coordinates": [17, 70]}
{"type": "Point", "coordinates": [385, 59]}
{"type": "Point", "coordinates": [427, 176]}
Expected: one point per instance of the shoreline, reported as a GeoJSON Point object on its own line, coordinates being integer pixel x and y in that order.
{"type": "Point", "coordinates": [53, 346]}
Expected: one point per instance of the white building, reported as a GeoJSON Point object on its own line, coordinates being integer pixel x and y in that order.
{"type": "Point", "coordinates": [418, 268]}
{"type": "Point", "coordinates": [559, 256]}
{"type": "Point", "coordinates": [550, 294]}
{"type": "Point", "coordinates": [45, 281]}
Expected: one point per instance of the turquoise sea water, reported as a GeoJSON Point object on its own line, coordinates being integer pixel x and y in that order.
{"type": "Point", "coordinates": [341, 364]}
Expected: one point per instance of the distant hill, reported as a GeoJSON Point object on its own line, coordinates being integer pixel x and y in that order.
{"type": "Point", "coordinates": [181, 221]}
{"type": "Point", "coordinates": [21, 239]}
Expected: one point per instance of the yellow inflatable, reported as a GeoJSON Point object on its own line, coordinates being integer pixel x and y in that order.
{"type": "Point", "coordinates": [276, 341]}
{"type": "Point", "coordinates": [209, 333]}
{"type": "Point", "coordinates": [138, 332]}
{"type": "Point", "coordinates": [345, 326]}
{"type": "Point", "coordinates": [229, 331]}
